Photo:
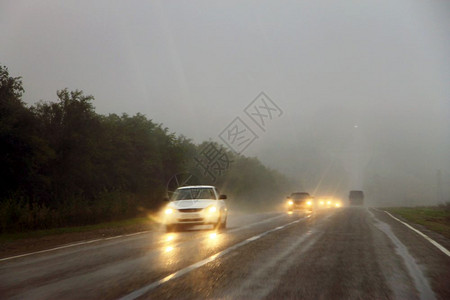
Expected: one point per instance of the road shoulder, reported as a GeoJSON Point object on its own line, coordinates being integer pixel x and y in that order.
{"type": "Point", "coordinates": [33, 244]}
{"type": "Point", "coordinates": [434, 263]}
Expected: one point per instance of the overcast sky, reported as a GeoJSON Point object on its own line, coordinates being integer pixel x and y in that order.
{"type": "Point", "coordinates": [363, 85]}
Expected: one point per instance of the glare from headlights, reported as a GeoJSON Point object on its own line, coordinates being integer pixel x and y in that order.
{"type": "Point", "coordinates": [321, 203]}
{"type": "Point", "coordinates": [309, 203]}
{"type": "Point", "coordinates": [338, 205]}
{"type": "Point", "coordinates": [328, 202]}
{"type": "Point", "coordinates": [290, 202]}
{"type": "Point", "coordinates": [212, 209]}
{"type": "Point", "coordinates": [169, 211]}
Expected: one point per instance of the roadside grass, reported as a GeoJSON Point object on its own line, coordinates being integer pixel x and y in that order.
{"type": "Point", "coordinates": [133, 222]}
{"type": "Point", "coordinates": [434, 218]}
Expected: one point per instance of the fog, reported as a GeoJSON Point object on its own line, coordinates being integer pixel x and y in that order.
{"type": "Point", "coordinates": [363, 86]}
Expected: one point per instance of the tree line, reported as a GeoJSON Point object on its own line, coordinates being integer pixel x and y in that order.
{"type": "Point", "coordinates": [62, 164]}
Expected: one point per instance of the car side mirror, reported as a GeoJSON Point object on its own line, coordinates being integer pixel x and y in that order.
{"type": "Point", "coordinates": [223, 197]}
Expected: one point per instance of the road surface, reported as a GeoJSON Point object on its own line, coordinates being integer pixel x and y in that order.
{"type": "Point", "coordinates": [347, 253]}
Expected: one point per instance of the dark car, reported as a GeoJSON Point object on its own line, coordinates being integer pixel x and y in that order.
{"type": "Point", "coordinates": [299, 201]}
{"type": "Point", "coordinates": [356, 198]}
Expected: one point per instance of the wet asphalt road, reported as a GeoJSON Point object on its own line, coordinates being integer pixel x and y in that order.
{"type": "Point", "coordinates": [348, 253]}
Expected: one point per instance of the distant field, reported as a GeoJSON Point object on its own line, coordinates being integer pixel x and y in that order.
{"type": "Point", "coordinates": [433, 218]}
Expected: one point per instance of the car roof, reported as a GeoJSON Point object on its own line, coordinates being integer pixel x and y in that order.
{"type": "Point", "coordinates": [196, 187]}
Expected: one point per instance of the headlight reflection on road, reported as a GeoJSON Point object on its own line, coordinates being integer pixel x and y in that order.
{"type": "Point", "coordinates": [212, 240]}
{"type": "Point", "coordinates": [170, 250]}
{"type": "Point", "coordinates": [170, 237]}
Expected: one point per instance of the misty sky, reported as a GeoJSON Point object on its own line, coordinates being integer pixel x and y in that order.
{"type": "Point", "coordinates": [363, 85]}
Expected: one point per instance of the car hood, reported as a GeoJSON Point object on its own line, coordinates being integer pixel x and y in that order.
{"type": "Point", "coordinates": [197, 203]}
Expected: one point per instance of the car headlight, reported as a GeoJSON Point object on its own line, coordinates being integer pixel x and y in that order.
{"type": "Point", "coordinates": [290, 202]}
{"type": "Point", "coordinates": [338, 205]}
{"type": "Point", "coordinates": [168, 211]}
{"type": "Point", "coordinates": [321, 203]}
{"type": "Point", "coordinates": [211, 209]}
{"type": "Point", "coordinates": [328, 202]}
{"type": "Point", "coordinates": [309, 203]}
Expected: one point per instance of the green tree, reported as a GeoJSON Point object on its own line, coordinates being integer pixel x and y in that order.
{"type": "Point", "coordinates": [71, 128]}
{"type": "Point", "coordinates": [63, 164]}
{"type": "Point", "coordinates": [22, 151]}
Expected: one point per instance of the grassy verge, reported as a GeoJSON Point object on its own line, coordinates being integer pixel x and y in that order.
{"type": "Point", "coordinates": [134, 222]}
{"type": "Point", "coordinates": [434, 218]}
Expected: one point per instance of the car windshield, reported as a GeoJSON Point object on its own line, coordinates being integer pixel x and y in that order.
{"type": "Point", "coordinates": [298, 196]}
{"type": "Point", "coordinates": [194, 193]}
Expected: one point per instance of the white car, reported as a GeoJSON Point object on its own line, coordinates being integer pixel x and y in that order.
{"type": "Point", "coordinates": [196, 205]}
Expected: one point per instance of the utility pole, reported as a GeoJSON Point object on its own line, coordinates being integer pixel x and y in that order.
{"type": "Point", "coordinates": [439, 194]}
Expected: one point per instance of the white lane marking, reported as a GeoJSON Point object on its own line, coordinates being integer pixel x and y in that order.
{"type": "Point", "coordinates": [256, 223]}
{"type": "Point", "coordinates": [179, 273]}
{"type": "Point", "coordinates": [119, 236]}
{"type": "Point", "coordinates": [419, 279]}
{"type": "Point", "coordinates": [266, 277]}
{"type": "Point", "coordinates": [433, 242]}
{"type": "Point", "coordinates": [253, 238]}
{"type": "Point", "coordinates": [74, 245]}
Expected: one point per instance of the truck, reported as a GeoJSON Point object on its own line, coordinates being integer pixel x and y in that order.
{"type": "Point", "coordinates": [356, 197]}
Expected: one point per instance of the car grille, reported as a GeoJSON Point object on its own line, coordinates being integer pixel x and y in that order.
{"type": "Point", "coordinates": [191, 220]}
{"type": "Point", "coordinates": [189, 209]}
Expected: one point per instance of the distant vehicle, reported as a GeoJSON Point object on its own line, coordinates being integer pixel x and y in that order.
{"type": "Point", "coordinates": [329, 202]}
{"type": "Point", "coordinates": [356, 198]}
{"type": "Point", "coordinates": [300, 201]}
{"type": "Point", "coordinates": [195, 205]}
